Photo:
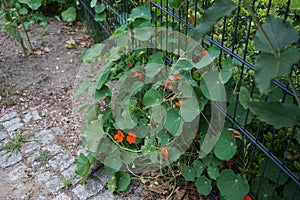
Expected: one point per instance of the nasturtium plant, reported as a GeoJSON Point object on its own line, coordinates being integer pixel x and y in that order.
{"type": "Point", "coordinates": [157, 101]}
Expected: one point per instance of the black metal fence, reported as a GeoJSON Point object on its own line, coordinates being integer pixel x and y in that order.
{"type": "Point", "coordinates": [233, 35]}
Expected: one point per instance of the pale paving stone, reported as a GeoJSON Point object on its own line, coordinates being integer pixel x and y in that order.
{"type": "Point", "coordinates": [89, 189]}
{"type": "Point", "coordinates": [2, 135]}
{"type": "Point", "coordinates": [45, 136]}
{"type": "Point", "coordinates": [67, 164]}
{"type": "Point", "coordinates": [53, 149]}
{"type": "Point", "coordinates": [8, 116]}
{"type": "Point", "coordinates": [17, 173]}
{"type": "Point", "coordinates": [35, 115]}
{"type": "Point", "coordinates": [53, 184]}
{"type": "Point", "coordinates": [9, 159]}
{"type": "Point", "coordinates": [62, 196]}
{"type": "Point", "coordinates": [30, 146]}
{"type": "Point", "coordinates": [59, 160]}
{"type": "Point", "coordinates": [13, 124]}
{"type": "Point", "coordinates": [107, 195]}
{"type": "Point", "coordinates": [43, 177]}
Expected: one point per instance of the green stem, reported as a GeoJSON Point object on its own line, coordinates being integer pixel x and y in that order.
{"type": "Point", "coordinates": [294, 90]}
{"type": "Point", "coordinates": [259, 26]}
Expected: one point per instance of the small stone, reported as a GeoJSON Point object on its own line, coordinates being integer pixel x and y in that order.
{"type": "Point", "coordinates": [27, 117]}
{"type": "Point", "coordinates": [10, 159]}
{"type": "Point", "coordinates": [35, 115]}
{"type": "Point", "coordinates": [62, 196]}
{"type": "Point", "coordinates": [13, 124]}
{"type": "Point", "coordinates": [8, 116]}
{"type": "Point", "coordinates": [89, 189]}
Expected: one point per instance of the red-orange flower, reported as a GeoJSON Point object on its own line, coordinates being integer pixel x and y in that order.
{"type": "Point", "coordinates": [203, 53]}
{"type": "Point", "coordinates": [119, 136]}
{"type": "Point", "coordinates": [131, 137]}
{"type": "Point", "coordinates": [165, 152]}
{"type": "Point", "coordinates": [177, 77]}
{"type": "Point", "coordinates": [130, 64]}
{"type": "Point", "coordinates": [138, 74]}
{"type": "Point", "coordinates": [247, 197]}
{"type": "Point", "coordinates": [179, 103]}
{"type": "Point", "coordinates": [235, 134]}
{"type": "Point", "coordinates": [148, 1]}
{"type": "Point", "coordinates": [168, 84]}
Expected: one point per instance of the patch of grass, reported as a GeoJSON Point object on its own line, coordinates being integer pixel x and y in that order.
{"type": "Point", "coordinates": [14, 144]}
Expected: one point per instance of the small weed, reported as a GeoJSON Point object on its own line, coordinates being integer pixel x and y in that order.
{"type": "Point", "coordinates": [14, 144]}
{"type": "Point", "coordinates": [29, 194]}
{"type": "Point", "coordinates": [67, 182]}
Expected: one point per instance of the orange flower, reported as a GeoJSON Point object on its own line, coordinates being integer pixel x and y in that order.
{"type": "Point", "coordinates": [119, 136]}
{"type": "Point", "coordinates": [138, 74]}
{"type": "Point", "coordinates": [247, 197]}
{"type": "Point", "coordinates": [178, 104]}
{"type": "Point", "coordinates": [177, 77]}
{"type": "Point", "coordinates": [203, 53]}
{"type": "Point", "coordinates": [131, 137]}
{"type": "Point", "coordinates": [168, 84]}
{"type": "Point", "coordinates": [148, 1]}
{"type": "Point", "coordinates": [130, 64]}
{"type": "Point", "coordinates": [165, 152]}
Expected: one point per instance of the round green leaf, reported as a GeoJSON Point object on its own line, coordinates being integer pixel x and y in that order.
{"type": "Point", "coordinates": [143, 31]}
{"type": "Point", "coordinates": [190, 109]}
{"type": "Point", "coordinates": [154, 65]}
{"type": "Point", "coordinates": [203, 185]}
{"type": "Point", "coordinates": [183, 64]}
{"type": "Point", "coordinates": [213, 172]}
{"type": "Point", "coordinates": [188, 173]}
{"type": "Point", "coordinates": [152, 98]}
{"type": "Point", "coordinates": [114, 162]}
{"type": "Point", "coordinates": [289, 190]}
{"type": "Point", "coordinates": [69, 15]}
{"type": "Point", "coordinates": [212, 87]}
{"type": "Point", "coordinates": [123, 181]}
{"type": "Point", "coordinates": [100, 17]}
{"type": "Point", "coordinates": [225, 148]}
{"type": "Point", "coordinates": [198, 167]}
{"type": "Point", "coordinates": [226, 71]}
{"type": "Point", "coordinates": [232, 186]}
{"type": "Point", "coordinates": [174, 122]}
{"type": "Point", "coordinates": [33, 4]}
{"type": "Point", "coordinates": [92, 53]}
